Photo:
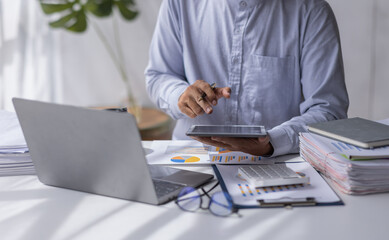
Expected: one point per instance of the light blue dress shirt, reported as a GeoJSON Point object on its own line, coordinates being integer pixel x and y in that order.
{"type": "Point", "coordinates": [281, 58]}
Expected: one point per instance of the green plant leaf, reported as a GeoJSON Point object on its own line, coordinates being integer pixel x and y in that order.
{"type": "Point", "coordinates": [80, 24]}
{"type": "Point", "coordinates": [73, 13]}
{"type": "Point", "coordinates": [49, 8]}
{"type": "Point", "coordinates": [102, 8]}
{"type": "Point", "coordinates": [63, 21]}
{"type": "Point", "coordinates": [125, 9]}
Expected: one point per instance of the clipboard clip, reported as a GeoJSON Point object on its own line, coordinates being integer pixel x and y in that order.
{"type": "Point", "coordinates": [287, 202]}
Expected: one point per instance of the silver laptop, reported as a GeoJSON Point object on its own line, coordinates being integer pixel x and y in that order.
{"type": "Point", "coordinates": [96, 151]}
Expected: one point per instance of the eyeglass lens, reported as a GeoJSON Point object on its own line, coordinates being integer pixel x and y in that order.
{"type": "Point", "coordinates": [189, 199]}
{"type": "Point", "coordinates": [220, 204]}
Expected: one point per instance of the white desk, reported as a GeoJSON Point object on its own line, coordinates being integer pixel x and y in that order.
{"type": "Point", "coordinates": [31, 210]}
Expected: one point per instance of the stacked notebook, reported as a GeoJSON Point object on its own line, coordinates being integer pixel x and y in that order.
{"type": "Point", "coordinates": [354, 170]}
{"type": "Point", "coordinates": [14, 156]}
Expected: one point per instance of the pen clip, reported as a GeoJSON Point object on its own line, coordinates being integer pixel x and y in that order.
{"type": "Point", "coordinates": [287, 202]}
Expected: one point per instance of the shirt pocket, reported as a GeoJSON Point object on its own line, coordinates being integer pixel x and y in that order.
{"type": "Point", "coordinates": [270, 87]}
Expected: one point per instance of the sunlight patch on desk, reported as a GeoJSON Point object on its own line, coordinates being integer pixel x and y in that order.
{"type": "Point", "coordinates": [53, 200]}
{"type": "Point", "coordinates": [175, 219]}
{"type": "Point", "coordinates": [10, 212]}
{"type": "Point", "coordinates": [265, 229]}
{"type": "Point", "coordinates": [9, 209]}
{"type": "Point", "coordinates": [95, 212]}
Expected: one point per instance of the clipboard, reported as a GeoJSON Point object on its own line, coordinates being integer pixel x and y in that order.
{"type": "Point", "coordinates": [317, 193]}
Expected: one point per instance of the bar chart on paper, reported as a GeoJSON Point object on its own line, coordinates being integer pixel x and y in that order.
{"type": "Point", "coordinates": [246, 190]}
{"type": "Point", "coordinates": [244, 194]}
{"type": "Point", "coordinates": [219, 155]}
{"type": "Point", "coordinates": [232, 158]}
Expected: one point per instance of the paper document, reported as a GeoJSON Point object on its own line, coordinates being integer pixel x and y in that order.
{"type": "Point", "coordinates": [352, 177]}
{"type": "Point", "coordinates": [219, 155]}
{"type": "Point", "coordinates": [14, 156]}
{"type": "Point", "coordinates": [350, 151]}
{"type": "Point", "coordinates": [10, 131]}
{"type": "Point", "coordinates": [190, 152]}
{"type": "Point", "coordinates": [187, 152]}
{"type": "Point", "coordinates": [244, 194]}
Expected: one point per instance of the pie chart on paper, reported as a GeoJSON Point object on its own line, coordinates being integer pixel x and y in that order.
{"type": "Point", "coordinates": [185, 159]}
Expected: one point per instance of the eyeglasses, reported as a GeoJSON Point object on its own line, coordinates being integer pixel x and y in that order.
{"type": "Point", "coordinates": [220, 203]}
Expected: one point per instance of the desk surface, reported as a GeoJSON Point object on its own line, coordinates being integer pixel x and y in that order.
{"type": "Point", "coordinates": [31, 210]}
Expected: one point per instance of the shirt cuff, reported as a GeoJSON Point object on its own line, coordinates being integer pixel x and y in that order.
{"type": "Point", "coordinates": [173, 102]}
{"type": "Point", "coordinates": [280, 141]}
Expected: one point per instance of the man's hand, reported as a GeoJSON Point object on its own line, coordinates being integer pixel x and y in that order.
{"type": "Point", "coordinates": [200, 97]}
{"type": "Point", "coordinates": [254, 146]}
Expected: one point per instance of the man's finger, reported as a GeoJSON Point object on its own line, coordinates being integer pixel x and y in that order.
{"type": "Point", "coordinates": [223, 92]}
{"type": "Point", "coordinates": [264, 140]}
{"type": "Point", "coordinates": [207, 92]}
{"type": "Point", "coordinates": [187, 111]}
{"type": "Point", "coordinates": [204, 104]}
{"type": "Point", "coordinates": [195, 107]}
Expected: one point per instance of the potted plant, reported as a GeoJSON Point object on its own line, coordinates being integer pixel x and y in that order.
{"type": "Point", "coordinates": [75, 16]}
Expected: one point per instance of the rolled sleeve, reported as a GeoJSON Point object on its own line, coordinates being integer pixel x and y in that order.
{"type": "Point", "coordinates": [165, 73]}
{"type": "Point", "coordinates": [173, 109]}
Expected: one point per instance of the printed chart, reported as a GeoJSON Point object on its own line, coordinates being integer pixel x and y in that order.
{"type": "Point", "coordinates": [233, 158]}
{"type": "Point", "coordinates": [178, 152]}
{"type": "Point", "coordinates": [222, 150]}
{"type": "Point", "coordinates": [344, 146]}
{"type": "Point", "coordinates": [191, 152]}
{"type": "Point", "coordinates": [223, 156]}
{"type": "Point", "coordinates": [185, 159]}
{"type": "Point", "coordinates": [244, 194]}
{"type": "Point", "coordinates": [246, 190]}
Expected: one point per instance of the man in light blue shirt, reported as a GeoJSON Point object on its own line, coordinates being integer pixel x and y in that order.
{"type": "Point", "coordinates": [276, 63]}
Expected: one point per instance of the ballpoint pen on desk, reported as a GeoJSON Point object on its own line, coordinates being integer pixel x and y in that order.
{"type": "Point", "coordinates": [117, 109]}
{"type": "Point", "coordinates": [201, 98]}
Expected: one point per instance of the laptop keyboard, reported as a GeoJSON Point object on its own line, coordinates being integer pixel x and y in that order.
{"type": "Point", "coordinates": [163, 188]}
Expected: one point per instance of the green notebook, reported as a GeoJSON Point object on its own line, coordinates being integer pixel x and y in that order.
{"type": "Point", "coordinates": [356, 131]}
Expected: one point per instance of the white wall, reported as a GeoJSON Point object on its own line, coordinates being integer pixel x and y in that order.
{"type": "Point", "coordinates": [364, 30]}
{"type": "Point", "coordinates": [90, 77]}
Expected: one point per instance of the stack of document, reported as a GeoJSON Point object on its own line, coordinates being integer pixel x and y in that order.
{"type": "Point", "coordinates": [352, 169]}
{"type": "Point", "coordinates": [14, 156]}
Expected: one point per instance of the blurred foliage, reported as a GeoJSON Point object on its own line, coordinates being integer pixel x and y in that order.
{"type": "Point", "coordinates": [72, 14]}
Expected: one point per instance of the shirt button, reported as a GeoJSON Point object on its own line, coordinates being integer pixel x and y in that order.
{"type": "Point", "coordinates": [243, 4]}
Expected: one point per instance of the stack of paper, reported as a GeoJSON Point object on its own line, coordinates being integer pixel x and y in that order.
{"type": "Point", "coordinates": [14, 156]}
{"type": "Point", "coordinates": [353, 170]}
